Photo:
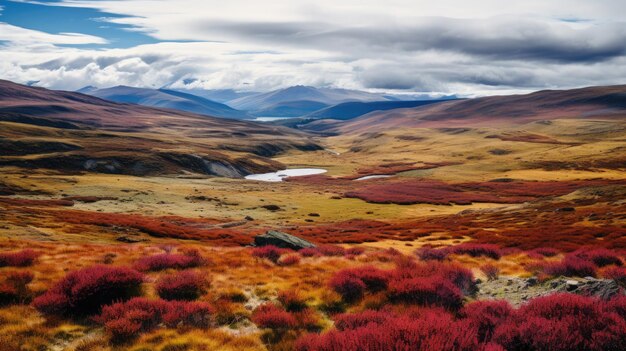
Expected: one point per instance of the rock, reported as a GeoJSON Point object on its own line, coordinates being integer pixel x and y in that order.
{"type": "Point", "coordinates": [602, 288]}
{"type": "Point", "coordinates": [130, 239]}
{"type": "Point", "coordinates": [272, 208]}
{"type": "Point", "coordinates": [248, 218]}
{"type": "Point", "coordinates": [281, 239]}
{"type": "Point", "coordinates": [314, 214]}
{"type": "Point", "coordinates": [571, 285]}
{"type": "Point", "coordinates": [234, 224]}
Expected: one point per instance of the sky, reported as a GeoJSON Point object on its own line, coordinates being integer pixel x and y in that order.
{"type": "Point", "coordinates": [469, 48]}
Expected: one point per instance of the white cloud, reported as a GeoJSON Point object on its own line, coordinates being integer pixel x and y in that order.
{"type": "Point", "coordinates": [477, 47]}
{"type": "Point", "coordinates": [26, 36]}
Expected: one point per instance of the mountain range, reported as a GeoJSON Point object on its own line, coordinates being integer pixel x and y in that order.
{"type": "Point", "coordinates": [299, 100]}
{"type": "Point", "coordinates": [601, 102]}
{"type": "Point", "coordinates": [164, 98]}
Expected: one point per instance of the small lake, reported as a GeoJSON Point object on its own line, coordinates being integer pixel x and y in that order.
{"type": "Point", "coordinates": [280, 175]}
{"type": "Point", "coordinates": [271, 119]}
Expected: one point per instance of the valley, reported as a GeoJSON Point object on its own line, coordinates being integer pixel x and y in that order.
{"type": "Point", "coordinates": [517, 185]}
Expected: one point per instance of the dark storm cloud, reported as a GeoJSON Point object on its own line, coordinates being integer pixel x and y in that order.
{"type": "Point", "coordinates": [497, 39]}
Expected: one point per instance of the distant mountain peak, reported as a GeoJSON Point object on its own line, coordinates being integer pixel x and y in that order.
{"type": "Point", "coordinates": [87, 89]}
{"type": "Point", "coordinates": [164, 98]}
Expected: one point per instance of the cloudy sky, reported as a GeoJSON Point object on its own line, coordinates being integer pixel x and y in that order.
{"type": "Point", "coordinates": [465, 47]}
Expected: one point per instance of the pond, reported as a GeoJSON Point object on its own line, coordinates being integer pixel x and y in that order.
{"type": "Point", "coordinates": [280, 175]}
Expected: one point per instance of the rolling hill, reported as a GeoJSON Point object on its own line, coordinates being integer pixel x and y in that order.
{"type": "Point", "coordinates": [353, 109]}
{"type": "Point", "coordinates": [585, 103]}
{"type": "Point", "coordinates": [300, 97]}
{"type": "Point", "coordinates": [164, 98]}
{"type": "Point", "coordinates": [73, 132]}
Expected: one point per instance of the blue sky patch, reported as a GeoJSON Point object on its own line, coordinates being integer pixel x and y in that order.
{"type": "Point", "coordinates": [61, 19]}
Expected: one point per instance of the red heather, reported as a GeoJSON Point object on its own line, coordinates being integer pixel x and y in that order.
{"type": "Point", "coordinates": [165, 261]}
{"type": "Point", "coordinates": [271, 316]}
{"type": "Point", "coordinates": [84, 292]}
{"type": "Point", "coordinates": [22, 258]}
{"type": "Point", "coordinates": [185, 285]}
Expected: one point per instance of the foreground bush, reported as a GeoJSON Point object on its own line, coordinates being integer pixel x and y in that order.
{"type": "Point", "coordinates": [571, 266]}
{"type": "Point", "coordinates": [477, 250]}
{"type": "Point", "coordinates": [165, 261]}
{"type": "Point", "coordinates": [485, 316]}
{"type": "Point", "coordinates": [428, 253]}
{"type": "Point", "coordinates": [271, 316]}
{"type": "Point", "coordinates": [292, 300]}
{"type": "Point", "coordinates": [618, 274]}
{"type": "Point", "coordinates": [352, 283]}
{"type": "Point", "coordinates": [125, 320]}
{"type": "Point", "coordinates": [428, 291]}
{"type": "Point", "coordinates": [544, 252]}
{"type": "Point", "coordinates": [460, 276]}
{"type": "Point", "coordinates": [13, 287]}
{"type": "Point", "coordinates": [185, 285]}
{"type": "Point", "coordinates": [85, 291]}
{"type": "Point", "coordinates": [430, 331]}
{"type": "Point", "coordinates": [491, 272]}
{"type": "Point", "coordinates": [269, 252]}
{"type": "Point", "coordinates": [349, 287]}
{"type": "Point", "coordinates": [331, 250]}
{"type": "Point", "coordinates": [561, 322]}
{"type": "Point", "coordinates": [289, 260]}
{"type": "Point", "coordinates": [599, 257]}
{"type": "Point", "coordinates": [22, 258]}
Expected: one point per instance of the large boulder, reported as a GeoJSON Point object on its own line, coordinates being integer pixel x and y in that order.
{"type": "Point", "coordinates": [283, 240]}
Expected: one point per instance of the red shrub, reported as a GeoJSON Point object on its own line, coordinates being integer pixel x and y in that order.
{"type": "Point", "coordinates": [428, 253]}
{"type": "Point", "coordinates": [355, 251]}
{"type": "Point", "coordinates": [477, 250]}
{"type": "Point", "coordinates": [490, 271]}
{"type": "Point", "coordinates": [429, 291]}
{"type": "Point", "coordinates": [436, 332]}
{"type": "Point", "coordinates": [270, 252]}
{"type": "Point", "coordinates": [13, 287]}
{"type": "Point", "coordinates": [485, 316]}
{"type": "Point", "coordinates": [308, 319]}
{"type": "Point", "coordinates": [271, 316]}
{"type": "Point", "coordinates": [165, 261]}
{"type": "Point", "coordinates": [544, 251]}
{"type": "Point", "coordinates": [461, 277]}
{"type": "Point", "coordinates": [125, 320]}
{"type": "Point", "coordinates": [85, 291]}
{"type": "Point", "coordinates": [616, 273]}
{"type": "Point", "coordinates": [349, 287]}
{"type": "Point", "coordinates": [570, 266]}
{"type": "Point", "coordinates": [600, 257]}
{"type": "Point", "coordinates": [309, 252]}
{"type": "Point", "coordinates": [618, 305]}
{"type": "Point", "coordinates": [292, 300]}
{"type": "Point", "coordinates": [185, 285]}
{"type": "Point", "coordinates": [22, 258]}
{"type": "Point", "coordinates": [331, 250]}
{"type": "Point", "coordinates": [289, 260]}
{"type": "Point", "coordinates": [349, 321]}
{"type": "Point", "coordinates": [563, 322]}
{"type": "Point", "coordinates": [373, 278]}
{"type": "Point", "coordinates": [189, 313]}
